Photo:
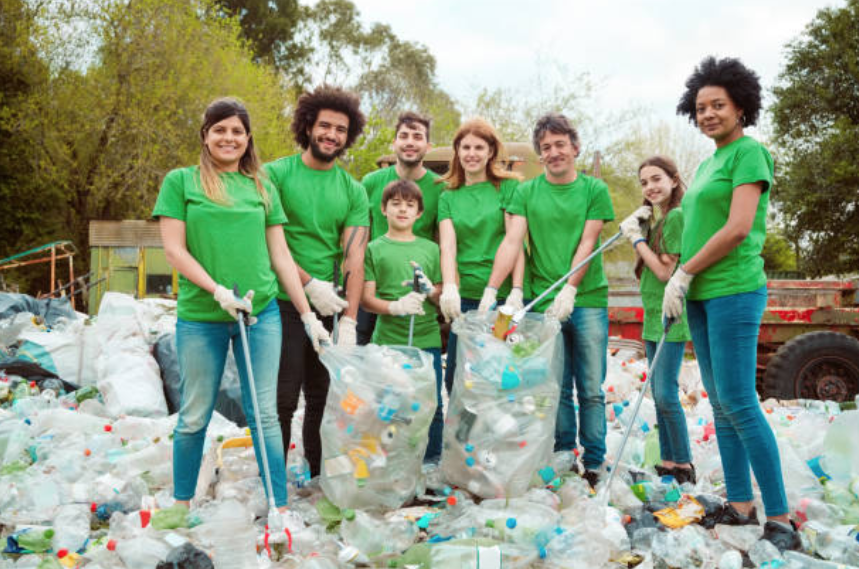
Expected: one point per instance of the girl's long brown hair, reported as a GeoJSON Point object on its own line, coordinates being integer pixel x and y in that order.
{"type": "Point", "coordinates": [249, 164]}
{"type": "Point", "coordinates": [668, 166]}
{"type": "Point", "coordinates": [455, 177]}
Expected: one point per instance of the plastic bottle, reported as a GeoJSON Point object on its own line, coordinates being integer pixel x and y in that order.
{"type": "Point", "coordinates": [731, 559]}
{"type": "Point", "coordinates": [71, 528]}
{"type": "Point", "coordinates": [36, 540]}
{"type": "Point", "coordinates": [831, 543]}
{"type": "Point", "coordinates": [799, 560]}
{"type": "Point", "coordinates": [374, 536]}
{"type": "Point", "coordinates": [764, 552]}
{"type": "Point", "coordinates": [142, 552]}
{"type": "Point", "coordinates": [297, 468]}
{"type": "Point", "coordinates": [233, 536]}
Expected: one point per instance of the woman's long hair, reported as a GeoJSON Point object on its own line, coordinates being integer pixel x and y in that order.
{"type": "Point", "coordinates": [668, 166]}
{"type": "Point", "coordinates": [249, 164]}
{"type": "Point", "coordinates": [455, 177]}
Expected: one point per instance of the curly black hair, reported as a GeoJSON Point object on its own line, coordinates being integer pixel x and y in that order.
{"type": "Point", "coordinates": [327, 97]}
{"type": "Point", "coordinates": [742, 84]}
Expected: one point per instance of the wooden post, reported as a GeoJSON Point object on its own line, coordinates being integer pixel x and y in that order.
{"type": "Point", "coordinates": [72, 280]}
{"type": "Point", "coordinates": [53, 268]}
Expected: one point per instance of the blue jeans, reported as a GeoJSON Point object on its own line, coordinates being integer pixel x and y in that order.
{"type": "Point", "coordinates": [725, 334]}
{"type": "Point", "coordinates": [466, 304]}
{"type": "Point", "coordinates": [673, 436]}
{"type": "Point", "coordinates": [433, 452]}
{"type": "Point", "coordinates": [585, 347]}
{"type": "Point", "coordinates": [202, 351]}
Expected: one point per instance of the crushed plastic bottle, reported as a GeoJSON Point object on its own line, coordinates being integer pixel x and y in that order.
{"type": "Point", "coordinates": [71, 528]}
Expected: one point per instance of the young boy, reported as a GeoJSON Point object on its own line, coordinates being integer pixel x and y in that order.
{"type": "Point", "coordinates": [389, 292]}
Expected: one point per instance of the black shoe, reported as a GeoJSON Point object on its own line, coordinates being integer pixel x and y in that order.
{"type": "Point", "coordinates": [729, 516]}
{"type": "Point", "coordinates": [782, 536]}
{"type": "Point", "coordinates": [662, 471]}
{"type": "Point", "coordinates": [593, 478]}
{"type": "Point", "coordinates": [683, 475]}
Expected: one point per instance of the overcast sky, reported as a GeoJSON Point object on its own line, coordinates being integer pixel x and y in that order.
{"type": "Point", "coordinates": [639, 52]}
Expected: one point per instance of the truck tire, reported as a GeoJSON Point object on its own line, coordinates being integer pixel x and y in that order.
{"type": "Point", "coordinates": [816, 365]}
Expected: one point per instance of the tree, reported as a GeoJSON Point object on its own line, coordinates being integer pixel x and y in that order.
{"type": "Point", "coordinates": [106, 129]}
{"type": "Point", "coordinates": [816, 116]}
{"type": "Point", "coordinates": [777, 253]}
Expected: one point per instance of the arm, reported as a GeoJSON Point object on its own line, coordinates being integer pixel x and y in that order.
{"type": "Point", "coordinates": [586, 246]}
{"type": "Point", "coordinates": [519, 268]}
{"type": "Point", "coordinates": [744, 204]}
{"type": "Point", "coordinates": [288, 273]}
{"type": "Point", "coordinates": [662, 265]}
{"type": "Point", "coordinates": [354, 243]}
{"type": "Point", "coordinates": [370, 302]}
{"type": "Point", "coordinates": [447, 244]}
{"type": "Point", "coordinates": [176, 250]}
{"type": "Point", "coordinates": [507, 256]}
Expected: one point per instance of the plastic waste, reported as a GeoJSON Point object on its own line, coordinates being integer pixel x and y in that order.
{"type": "Point", "coordinates": [227, 528]}
{"type": "Point", "coordinates": [186, 556]}
{"type": "Point", "coordinates": [71, 528]}
{"type": "Point", "coordinates": [33, 540]}
{"type": "Point", "coordinates": [764, 554]}
{"type": "Point", "coordinates": [375, 536]}
{"type": "Point", "coordinates": [170, 518]}
{"type": "Point", "coordinates": [374, 431]}
{"type": "Point", "coordinates": [297, 468]}
{"type": "Point", "coordinates": [143, 552]}
{"type": "Point", "coordinates": [501, 416]}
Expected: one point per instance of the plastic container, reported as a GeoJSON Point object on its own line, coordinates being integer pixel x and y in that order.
{"type": "Point", "coordinates": [71, 527]}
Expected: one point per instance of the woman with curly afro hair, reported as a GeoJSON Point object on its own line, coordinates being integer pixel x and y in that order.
{"type": "Point", "coordinates": [721, 277]}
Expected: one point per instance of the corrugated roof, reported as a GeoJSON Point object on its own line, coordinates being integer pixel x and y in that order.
{"type": "Point", "coordinates": [128, 233]}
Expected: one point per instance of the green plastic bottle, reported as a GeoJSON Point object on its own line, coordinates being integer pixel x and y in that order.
{"type": "Point", "coordinates": [37, 541]}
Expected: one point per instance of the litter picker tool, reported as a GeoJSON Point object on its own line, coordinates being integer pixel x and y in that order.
{"type": "Point", "coordinates": [606, 490]}
{"type": "Point", "coordinates": [519, 315]}
{"type": "Point", "coordinates": [338, 290]}
{"type": "Point", "coordinates": [275, 520]}
{"type": "Point", "coordinates": [416, 286]}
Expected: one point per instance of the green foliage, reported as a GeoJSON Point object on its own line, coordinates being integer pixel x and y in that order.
{"type": "Point", "coordinates": [103, 133]}
{"type": "Point", "coordinates": [777, 253]}
{"type": "Point", "coordinates": [816, 116]}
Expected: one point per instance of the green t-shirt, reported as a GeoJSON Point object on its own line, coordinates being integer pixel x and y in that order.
{"type": "Point", "coordinates": [227, 240]}
{"type": "Point", "coordinates": [320, 205]}
{"type": "Point", "coordinates": [705, 210]}
{"type": "Point", "coordinates": [375, 183]}
{"type": "Point", "coordinates": [556, 216]}
{"type": "Point", "coordinates": [477, 213]}
{"type": "Point", "coordinates": [388, 264]}
{"type": "Point", "coordinates": [652, 289]}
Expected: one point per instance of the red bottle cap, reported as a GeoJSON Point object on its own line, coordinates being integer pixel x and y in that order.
{"type": "Point", "coordinates": [451, 500]}
{"type": "Point", "coordinates": [62, 552]}
{"type": "Point", "coordinates": [111, 544]}
{"type": "Point", "coordinates": [145, 515]}
{"type": "Point", "coordinates": [108, 428]}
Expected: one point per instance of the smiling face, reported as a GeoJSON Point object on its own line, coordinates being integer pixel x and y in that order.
{"type": "Point", "coordinates": [558, 155]}
{"type": "Point", "coordinates": [328, 135]}
{"type": "Point", "coordinates": [401, 212]}
{"type": "Point", "coordinates": [411, 144]}
{"type": "Point", "coordinates": [474, 154]}
{"type": "Point", "coordinates": [227, 142]}
{"type": "Point", "coordinates": [717, 115]}
{"type": "Point", "coordinates": [656, 185]}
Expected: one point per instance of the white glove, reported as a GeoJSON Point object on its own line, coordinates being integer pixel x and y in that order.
{"type": "Point", "coordinates": [450, 303]}
{"type": "Point", "coordinates": [409, 305]}
{"type": "Point", "coordinates": [315, 330]}
{"type": "Point", "coordinates": [515, 301]}
{"type": "Point", "coordinates": [424, 283]}
{"type": "Point", "coordinates": [675, 294]}
{"type": "Point", "coordinates": [631, 226]}
{"type": "Point", "coordinates": [323, 297]}
{"type": "Point", "coordinates": [488, 300]}
{"type": "Point", "coordinates": [233, 304]}
{"type": "Point", "coordinates": [346, 333]}
{"type": "Point", "coordinates": [563, 304]}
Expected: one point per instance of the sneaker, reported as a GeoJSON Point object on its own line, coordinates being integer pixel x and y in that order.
{"type": "Point", "coordinates": [593, 478]}
{"type": "Point", "coordinates": [729, 516]}
{"type": "Point", "coordinates": [662, 471]}
{"type": "Point", "coordinates": [683, 475]}
{"type": "Point", "coordinates": [781, 535]}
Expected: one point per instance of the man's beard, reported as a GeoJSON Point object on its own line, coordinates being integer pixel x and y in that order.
{"type": "Point", "coordinates": [318, 154]}
{"type": "Point", "coordinates": [410, 163]}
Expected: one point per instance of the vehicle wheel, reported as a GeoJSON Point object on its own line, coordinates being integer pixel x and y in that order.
{"type": "Point", "coordinates": [816, 365]}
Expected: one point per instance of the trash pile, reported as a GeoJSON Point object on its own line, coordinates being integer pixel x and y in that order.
{"type": "Point", "coordinates": [86, 474]}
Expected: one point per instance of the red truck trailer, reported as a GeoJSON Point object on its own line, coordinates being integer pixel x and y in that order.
{"type": "Point", "coordinates": [809, 339]}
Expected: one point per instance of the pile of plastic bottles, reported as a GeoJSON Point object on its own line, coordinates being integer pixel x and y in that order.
{"type": "Point", "coordinates": [83, 486]}
{"type": "Point", "coordinates": [500, 425]}
{"type": "Point", "coordinates": [381, 402]}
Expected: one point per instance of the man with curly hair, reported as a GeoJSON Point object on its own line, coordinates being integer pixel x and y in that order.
{"type": "Point", "coordinates": [327, 226]}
